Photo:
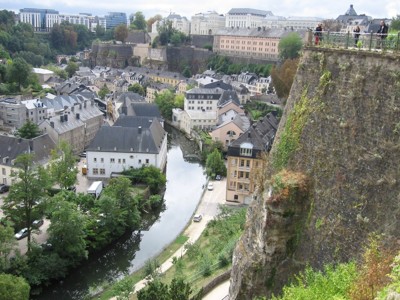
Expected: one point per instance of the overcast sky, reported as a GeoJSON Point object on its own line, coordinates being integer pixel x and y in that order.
{"type": "Point", "coordinates": [312, 8]}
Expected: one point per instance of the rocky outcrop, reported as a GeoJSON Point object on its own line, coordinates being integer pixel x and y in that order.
{"type": "Point", "coordinates": [341, 131]}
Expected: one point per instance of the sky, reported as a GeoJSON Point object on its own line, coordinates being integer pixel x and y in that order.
{"type": "Point", "coordinates": [285, 8]}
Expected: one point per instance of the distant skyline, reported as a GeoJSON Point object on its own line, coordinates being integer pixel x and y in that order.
{"type": "Point", "coordinates": [285, 8]}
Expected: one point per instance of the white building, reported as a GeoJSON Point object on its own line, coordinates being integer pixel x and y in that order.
{"type": "Point", "coordinates": [81, 19]}
{"type": "Point", "coordinates": [40, 19]}
{"type": "Point", "coordinates": [178, 22]}
{"type": "Point", "coordinates": [245, 17]}
{"type": "Point", "coordinates": [132, 142]}
{"type": "Point", "coordinates": [292, 23]}
{"type": "Point", "coordinates": [206, 23]}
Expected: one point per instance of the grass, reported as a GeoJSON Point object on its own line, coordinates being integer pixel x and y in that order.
{"type": "Point", "coordinates": [203, 257]}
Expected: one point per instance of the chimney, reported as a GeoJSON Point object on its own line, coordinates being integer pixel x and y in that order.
{"type": "Point", "coordinates": [140, 129]}
{"type": "Point", "coordinates": [77, 116]}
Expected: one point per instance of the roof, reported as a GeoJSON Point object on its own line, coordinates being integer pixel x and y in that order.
{"type": "Point", "coordinates": [146, 110]}
{"type": "Point", "coordinates": [12, 146]}
{"type": "Point", "coordinates": [249, 11]}
{"type": "Point", "coordinates": [260, 135]}
{"type": "Point", "coordinates": [240, 120]}
{"type": "Point", "coordinates": [228, 96]}
{"type": "Point", "coordinates": [129, 139]}
{"type": "Point", "coordinates": [42, 71]}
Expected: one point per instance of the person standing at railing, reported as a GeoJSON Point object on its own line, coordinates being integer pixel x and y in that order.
{"type": "Point", "coordinates": [356, 35]}
{"type": "Point", "coordinates": [318, 34]}
{"type": "Point", "coordinates": [382, 33]}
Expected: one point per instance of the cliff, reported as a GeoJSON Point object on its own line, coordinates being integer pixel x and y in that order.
{"type": "Point", "coordinates": [333, 175]}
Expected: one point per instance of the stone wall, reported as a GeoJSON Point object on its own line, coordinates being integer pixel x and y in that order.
{"type": "Point", "coordinates": [341, 131]}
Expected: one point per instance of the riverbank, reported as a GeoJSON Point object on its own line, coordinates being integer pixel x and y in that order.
{"type": "Point", "coordinates": [208, 208]}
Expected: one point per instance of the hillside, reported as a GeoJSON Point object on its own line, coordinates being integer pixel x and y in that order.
{"type": "Point", "coordinates": [333, 171]}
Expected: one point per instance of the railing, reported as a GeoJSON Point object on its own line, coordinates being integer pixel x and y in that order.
{"type": "Point", "coordinates": [349, 40]}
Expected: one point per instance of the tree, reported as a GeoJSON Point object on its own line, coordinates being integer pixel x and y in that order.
{"type": "Point", "coordinates": [103, 92]}
{"type": "Point", "coordinates": [67, 230]}
{"type": "Point", "coordinates": [137, 88]}
{"type": "Point", "coordinates": [121, 33]}
{"type": "Point", "coordinates": [31, 183]}
{"type": "Point", "coordinates": [395, 24]}
{"type": "Point", "coordinates": [62, 166]}
{"type": "Point", "coordinates": [186, 72]}
{"type": "Point", "coordinates": [165, 101]}
{"type": "Point", "coordinates": [7, 243]}
{"type": "Point", "coordinates": [71, 68]}
{"type": "Point", "coordinates": [215, 164]}
{"type": "Point", "coordinates": [119, 189]}
{"type": "Point", "coordinates": [154, 290]}
{"type": "Point", "coordinates": [178, 289]}
{"type": "Point", "coordinates": [152, 20]}
{"type": "Point", "coordinates": [13, 287]}
{"type": "Point", "coordinates": [139, 21]}
{"type": "Point", "coordinates": [290, 46]}
{"type": "Point", "coordinates": [29, 130]}
{"type": "Point", "coordinates": [282, 77]}
{"type": "Point", "coordinates": [19, 72]}
{"type": "Point", "coordinates": [100, 31]}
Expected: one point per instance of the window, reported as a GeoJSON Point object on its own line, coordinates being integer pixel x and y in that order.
{"type": "Point", "coordinates": [140, 161]}
{"type": "Point", "coordinates": [119, 160]}
{"type": "Point", "coordinates": [3, 171]}
{"type": "Point", "coordinates": [246, 149]}
{"type": "Point", "coordinates": [95, 171]}
{"type": "Point", "coordinates": [248, 163]}
{"type": "Point", "coordinates": [102, 171]}
{"type": "Point", "coordinates": [102, 159]}
{"type": "Point", "coordinates": [112, 160]}
{"type": "Point", "coordinates": [147, 160]}
{"type": "Point", "coordinates": [123, 160]}
{"type": "Point", "coordinates": [94, 159]}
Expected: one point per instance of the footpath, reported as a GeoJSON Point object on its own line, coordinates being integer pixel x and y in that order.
{"type": "Point", "coordinates": [208, 208]}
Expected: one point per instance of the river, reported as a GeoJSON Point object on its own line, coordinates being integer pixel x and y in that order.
{"type": "Point", "coordinates": [183, 191]}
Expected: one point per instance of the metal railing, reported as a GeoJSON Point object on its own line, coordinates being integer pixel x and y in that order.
{"type": "Point", "coordinates": [349, 40]}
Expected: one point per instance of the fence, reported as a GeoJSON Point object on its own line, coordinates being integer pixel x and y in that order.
{"type": "Point", "coordinates": [349, 40]}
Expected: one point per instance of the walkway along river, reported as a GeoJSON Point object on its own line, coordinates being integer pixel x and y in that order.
{"type": "Point", "coordinates": [183, 191]}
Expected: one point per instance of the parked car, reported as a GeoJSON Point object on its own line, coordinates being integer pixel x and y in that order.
{"type": "Point", "coordinates": [21, 234]}
{"type": "Point", "coordinates": [210, 186]}
{"type": "Point", "coordinates": [37, 223]}
{"type": "Point", "coordinates": [197, 218]}
{"type": "Point", "coordinates": [4, 188]}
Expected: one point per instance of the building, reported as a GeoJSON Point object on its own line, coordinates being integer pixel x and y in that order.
{"type": "Point", "coordinates": [80, 19]}
{"type": "Point", "coordinates": [350, 19]}
{"type": "Point", "coordinates": [245, 157]}
{"type": "Point", "coordinates": [12, 147]}
{"type": "Point", "coordinates": [12, 112]}
{"type": "Point", "coordinates": [43, 74]}
{"type": "Point", "coordinates": [206, 23]}
{"type": "Point", "coordinates": [74, 119]}
{"type": "Point", "coordinates": [132, 142]}
{"type": "Point", "coordinates": [178, 22]}
{"type": "Point", "coordinates": [256, 43]}
{"type": "Point", "coordinates": [113, 19]}
{"type": "Point", "coordinates": [245, 17]}
{"type": "Point", "coordinates": [36, 111]}
{"type": "Point", "coordinates": [40, 19]}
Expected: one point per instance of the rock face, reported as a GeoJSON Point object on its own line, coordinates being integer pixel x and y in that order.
{"type": "Point", "coordinates": [340, 134]}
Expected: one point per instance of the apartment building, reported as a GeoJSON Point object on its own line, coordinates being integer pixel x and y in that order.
{"type": "Point", "coordinates": [245, 159]}
{"type": "Point", "coordinates": [256, 43]}
{"type": "Point", "coordinates": [42, 20]}
{"type": "Point", "coordinates": [245, 17]}
{"type": "Point", "coordinates": [206, 23]}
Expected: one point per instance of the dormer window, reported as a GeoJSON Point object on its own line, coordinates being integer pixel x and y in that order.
{"type": "Point", "coordinates": [246, 149]}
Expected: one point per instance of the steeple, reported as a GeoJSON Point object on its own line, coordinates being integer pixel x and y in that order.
{"type": "Point", "coordinates": [351, 11]}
